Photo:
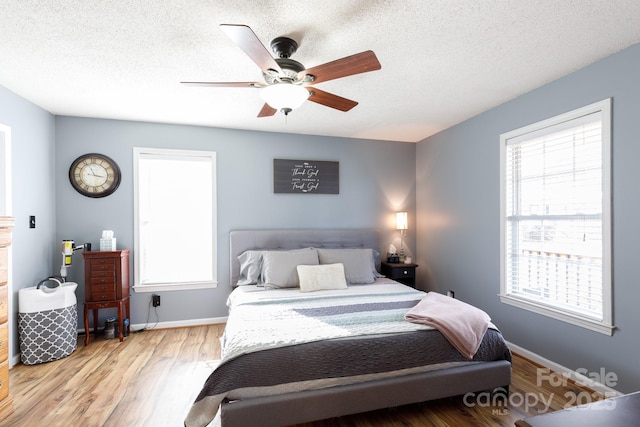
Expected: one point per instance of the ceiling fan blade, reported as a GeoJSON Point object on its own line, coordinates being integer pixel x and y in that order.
{"type": "Point", "coordinates": [244, 37]}
{"type": "Point", "coordinates": [224, 84]}
{"type": "Point", "coordinates": [267, 111]}
{"type": "Point", "coordinates": [330, 100]}
{"type": "Point", "coordinates": [348, 66]}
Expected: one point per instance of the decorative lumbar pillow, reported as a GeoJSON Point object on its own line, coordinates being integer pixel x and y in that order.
{"type": "Point", "coordinates": [358, 263]}
{"type": "Point", "coordinates": [321, 277]}
{"type": "Point", "coordinates": [279, 267]}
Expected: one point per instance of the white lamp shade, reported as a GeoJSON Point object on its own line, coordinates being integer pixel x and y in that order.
{"type": "Point", "coordinates": [284, 95]}
{"type": "Point", "coordinates": [401, 221]}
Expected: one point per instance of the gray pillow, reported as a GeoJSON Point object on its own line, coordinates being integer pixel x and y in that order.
{"type": "Point", "coordinates": [279, 267]}
{"type": "Point", "coordinates": [358, 263]}
{"type": "Point", "coordinates": [250, 267]}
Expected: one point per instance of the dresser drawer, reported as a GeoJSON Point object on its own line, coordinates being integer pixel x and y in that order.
{"type": "Point", "coordinates": [4, 342]}
{"type": "Point", "coordinates": [109, 281]}
{"type": "Point", "coordinates": [399, 273]}
{"type": "Point", "coordinates": [103, 296]}
{"type": "Point", "coordinates": [4, 268]}
{"type": "Point", "coordinates": [4, 380]}
{"type": "Point", "coordinates": [102, 265]}
{"type": "Point", "coordinates": [102, 288]}
{"type": "Point", "coordinates": [4, 309]}
{"type": "Point", "coordinates": [103, 273]}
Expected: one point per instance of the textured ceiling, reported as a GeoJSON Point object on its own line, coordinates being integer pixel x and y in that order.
{"type": "Point", "coordinates": [442, 61]}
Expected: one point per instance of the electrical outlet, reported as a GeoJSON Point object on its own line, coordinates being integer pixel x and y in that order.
{"type": "Point", "coordinates": [155, 300]}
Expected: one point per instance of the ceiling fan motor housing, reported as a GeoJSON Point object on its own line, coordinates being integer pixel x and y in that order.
{"type": "Point", "coordinates": [284, 47]}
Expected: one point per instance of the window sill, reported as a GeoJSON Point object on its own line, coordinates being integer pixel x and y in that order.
{"type": "Point", "coordinates": [174, 287]}
{"type": "Point", "coordinates": [594, 325]}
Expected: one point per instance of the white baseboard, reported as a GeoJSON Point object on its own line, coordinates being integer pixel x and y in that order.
{"type": "Point", "coordinates": [179, 323]}
{"type": "Point", "coordinates": [562, 370]}
{"type": "Point", "coordinates": [174, 324]}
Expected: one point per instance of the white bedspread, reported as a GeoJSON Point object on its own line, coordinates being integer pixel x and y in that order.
{"type": "Point", "coordinates": [263, 319]}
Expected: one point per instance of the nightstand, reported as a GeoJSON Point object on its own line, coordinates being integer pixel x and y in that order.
{"type": "Point", "coordinates": [403, 273]}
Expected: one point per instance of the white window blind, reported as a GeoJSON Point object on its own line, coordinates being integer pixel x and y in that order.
{"type": "Point", "coordinates": [175, 220]}
{"type": "Point", "coordinates": [556, 217]}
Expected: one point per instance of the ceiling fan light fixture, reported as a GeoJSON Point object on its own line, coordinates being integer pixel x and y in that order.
{"type": "Point", "coordinates": [284, 96]}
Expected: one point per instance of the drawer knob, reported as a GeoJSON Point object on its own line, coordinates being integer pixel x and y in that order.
{"type": "Point", "coordinates": [405, 272]}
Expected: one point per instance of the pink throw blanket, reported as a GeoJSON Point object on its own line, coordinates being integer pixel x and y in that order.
{"type": "Point", "coordinates": [462, 324]}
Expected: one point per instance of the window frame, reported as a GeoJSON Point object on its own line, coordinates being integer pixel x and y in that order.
{"type": "Point", "coordinates": [605, 325]}
{"type": "Point", "coordinates": [179, 286]}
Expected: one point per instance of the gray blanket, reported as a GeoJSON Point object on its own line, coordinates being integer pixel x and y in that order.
{"type": "Point", "coordinates": [345, 358]}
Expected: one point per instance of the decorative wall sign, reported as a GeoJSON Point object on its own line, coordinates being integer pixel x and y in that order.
{"type": "Point", "coordinates": [306, 176]}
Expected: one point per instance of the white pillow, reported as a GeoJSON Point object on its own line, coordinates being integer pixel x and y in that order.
{"type": "Point", "coordinates": [321, 277]}
{"type": "Point", "coordinates": [279, 267]}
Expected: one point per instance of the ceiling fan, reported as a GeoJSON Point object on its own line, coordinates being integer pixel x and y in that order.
{"type": "Point", "coordinates": [287, 83]}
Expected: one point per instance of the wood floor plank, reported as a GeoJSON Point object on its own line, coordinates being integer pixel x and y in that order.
{"type": "Point", "coordinates": [152, 378]}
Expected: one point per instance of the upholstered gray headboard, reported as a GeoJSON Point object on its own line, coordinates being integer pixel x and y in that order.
{"type": "Point", "coordinates": [243, 240]}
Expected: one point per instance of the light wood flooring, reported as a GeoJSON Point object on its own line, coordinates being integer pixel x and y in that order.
{"type": "Point", "coordinates": [152, 378]}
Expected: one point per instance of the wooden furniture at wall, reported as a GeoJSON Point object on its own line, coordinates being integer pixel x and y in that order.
{"type": "Point", "coordinates": [106, 285]}
{"type": "Point", "coordinates": [6, 400]}
{"type": "Point", "coordinates": [621, 411]}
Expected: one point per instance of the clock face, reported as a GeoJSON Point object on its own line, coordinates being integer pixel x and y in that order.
{"type": "Point", "coordinates": [94, 175]}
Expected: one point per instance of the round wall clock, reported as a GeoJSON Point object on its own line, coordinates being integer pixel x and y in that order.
{"type": "Point", "coordinates": [94, 175]}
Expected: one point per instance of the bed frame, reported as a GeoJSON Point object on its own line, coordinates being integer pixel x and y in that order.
{"type": "Point", "coordinates": [313, 405]}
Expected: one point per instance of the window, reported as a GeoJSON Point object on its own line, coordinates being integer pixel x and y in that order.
{"type": "Point", "coordinates": [556, 217]}
{"type": "Point", "coordinates": [175, 219]}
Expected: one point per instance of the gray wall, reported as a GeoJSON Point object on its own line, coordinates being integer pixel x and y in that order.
{"type": "Point", "coordinates": [376, 179]}
{"type": "Point", "coordinates": [33, 188]}
{"type": "Point", "coordinates": [457, 198]}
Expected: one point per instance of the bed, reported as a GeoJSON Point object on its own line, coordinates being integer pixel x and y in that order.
{"type": "Point", "coordinates": [325, 347]}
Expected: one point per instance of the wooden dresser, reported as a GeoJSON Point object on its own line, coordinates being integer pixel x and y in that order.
{"type": "Point", "coordinates": [106, 285]}
{"type": "Point", "coordinates": [6, 400]}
